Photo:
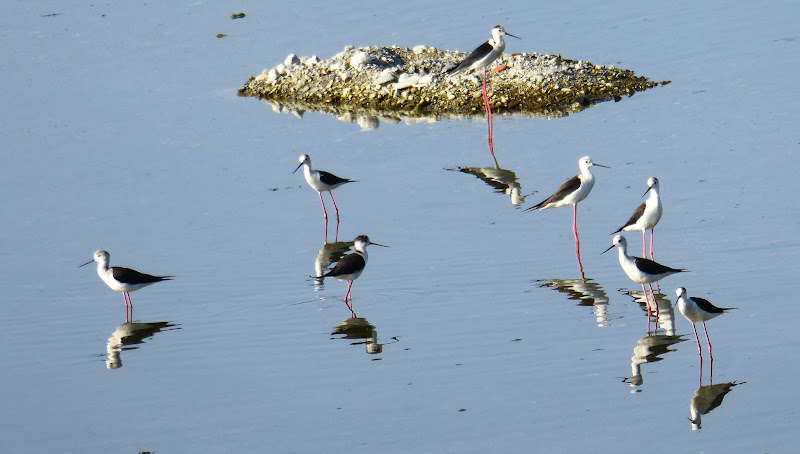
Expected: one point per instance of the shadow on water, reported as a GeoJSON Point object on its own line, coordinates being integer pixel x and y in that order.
{"type": "Point", "coordinates": [706, 399]}
{"type": "Point", "coordinates": [649, 349]}
{"type": "Point", "coordinates": [362, 332]}
{"type": "Point", "coordinates": [328, 254]}
{"type": "Point", "coordinates": [369, 119]}
{"type": "Point", "coordinates": [503, 181]}
{"type": "Point", "coordinates": [664, 318]}
{"type": "Point", "coordinates": [586, 292]}
{"type": "Point", "coordinates": [129, 336]}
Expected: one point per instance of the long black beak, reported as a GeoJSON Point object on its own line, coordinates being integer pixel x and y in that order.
{"type": "Point", "coordinates": [648, 190]}
{"type": "Point", "coordinates": [509, 34]}
{"type": "Point", "coordinates": [600, 165]}
{"type": "Point", "coordinates": [90, 261]}
{"type": "Point", "coordinates": [378, 244]}
{"type": "Point", "coordinates": [610, 247]}
{"type": "Point", "coordinates": [301, 165]}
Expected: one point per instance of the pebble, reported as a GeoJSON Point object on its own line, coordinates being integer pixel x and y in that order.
{"type": "Point", "coordinates": [359, 59]}
{"type": "Point", "coordinates": [386, 76]}
{"type": "Point", "coordinates": [292, 59]}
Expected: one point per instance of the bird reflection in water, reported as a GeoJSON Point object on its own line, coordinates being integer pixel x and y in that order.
{"type": "Point", "coordinates": [659, 311]}
{"type": "Point", "coordinates": [361, 332]}
{"type": "Point", "coordinates": [129, 335]}
{"type": "Point", "coordinates": [707, 398]}
{"type": "Point", "coordinates": [503, 181]}
{"type": "Point", "coordinates": [329, 254]}
{"type": "Point", "coordinates": [586, 292]}
{"type": "Point", "coordinates": [649, 349]}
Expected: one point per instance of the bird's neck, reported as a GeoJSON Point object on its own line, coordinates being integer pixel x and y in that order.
{"type": "Point", "coordinates": [102, 268]}
{"type": "Point", "coordinates": [623, 254]}
{"type": "Point", "coordinates": [498, 44]}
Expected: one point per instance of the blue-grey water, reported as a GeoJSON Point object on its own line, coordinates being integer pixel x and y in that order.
{"type": "Point", "coordinates": [121, 129]}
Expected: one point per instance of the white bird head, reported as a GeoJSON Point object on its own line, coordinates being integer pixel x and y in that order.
{"type": "Point", "coordinates": [100, 256]}
{"type": "Point", "coordinates": [498, 32]}
{"type": "Point", "coordinates": [618, 241]}
{"type": "Point", "coordinates": [585, 162]}
{"type": "Point", "coordinates": [304, 159]}
{"type": "Point", "coordinates": [652, 183]}
{"type": "Point", "coordinates": [362, 241]}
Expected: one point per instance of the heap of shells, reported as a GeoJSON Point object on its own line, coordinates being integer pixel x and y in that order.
{"type": "Point", "coordinates": [399, 82]}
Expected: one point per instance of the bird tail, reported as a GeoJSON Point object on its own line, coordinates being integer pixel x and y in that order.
{"type": "Point", "coordinates": [535, 207]}
{"type": "Point", "coordinates": [454, 70]}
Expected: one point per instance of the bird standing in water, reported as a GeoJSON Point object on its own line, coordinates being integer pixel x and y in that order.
{"type": "Point", "coordinates": [646, 216]}
{"type": "Point", "coordinates": [350, 267]}
{"type": "Point", "coordinates": [641, 270]}
{"type": "Point", "coordinates": [123, 280]}
{"type": "Point", "coordinates": [321, 181]}
{"type": "Point", "coordinates": [573, 191]}
{"type": "Point", "coordinates": [699, 310]}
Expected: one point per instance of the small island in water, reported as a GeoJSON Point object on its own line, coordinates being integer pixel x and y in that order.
{"type": "Point", "coordinates": [400, 82]}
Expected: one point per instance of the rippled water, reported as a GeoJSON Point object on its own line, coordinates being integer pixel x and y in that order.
{"type": "Point", "coordinates": [122, 130]}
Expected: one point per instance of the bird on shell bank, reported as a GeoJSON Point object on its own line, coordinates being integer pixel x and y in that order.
{"type": "Point", "coordinates": [480, 58]}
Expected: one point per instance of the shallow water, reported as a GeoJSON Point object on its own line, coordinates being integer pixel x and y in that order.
{"type": "Point", "coordinates": [122, 130]}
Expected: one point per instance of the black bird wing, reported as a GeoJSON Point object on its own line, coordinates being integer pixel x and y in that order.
{"type": "Point", "coordinates": [349, 264]}
{"type": "Point", "coordinates": [706, 305]}
{"type": "Point", "coordinates": [570, 186]}
{"type": "Point", "coordinates": [634, 217]}
{"type": "Point", "coordinates": [651, 267]}
{"type": "Point", "coordinates": [476, 55]}
{"type": "Point", "coordinates": [331, 179]}
{"type": "Point", "coordinates": [129, 276]}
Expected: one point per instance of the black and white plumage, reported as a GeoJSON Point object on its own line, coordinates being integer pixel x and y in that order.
{"type": "Point", "coordinates": [321, 181]}
{"type": "Point", "coordinates": [647, 215]}
{"type": "Point", "coordinates": [350, 267]}
{"type": "Point", "coordinates": [638, 269]}
{"type": "Point", "coordinates": [485, 54]}
{"type": "Point", "coordinates": [573, 190]}
{"type": "Point", "coordinates": [481, 58]}
{"type": "Point", "coordinates": [695, 310]}
{"type": "Point", "coordinates": [120, 279]}
{"type": "Point", "coordinates": [641, 270]}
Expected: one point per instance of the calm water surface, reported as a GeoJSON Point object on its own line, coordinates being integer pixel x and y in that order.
{"type": "Point", "coordinates": [122, 130]}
